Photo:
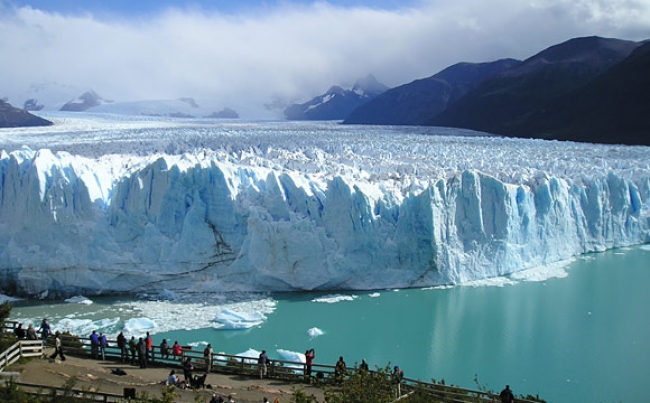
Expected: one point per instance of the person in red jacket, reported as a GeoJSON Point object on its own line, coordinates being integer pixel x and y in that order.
{"type": "Point", "coordinates": [309, 361]}
{"type": "Point", "coordinates": [177, 350]}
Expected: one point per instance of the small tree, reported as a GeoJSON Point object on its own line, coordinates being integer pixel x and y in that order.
{"type": "Point", "coordinates": [5, 311]}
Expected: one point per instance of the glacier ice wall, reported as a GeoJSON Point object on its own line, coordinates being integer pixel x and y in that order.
{"type": "Point", "coordinates": [244, 210]}
{"type": "Point", "coordinates": [185, 225]}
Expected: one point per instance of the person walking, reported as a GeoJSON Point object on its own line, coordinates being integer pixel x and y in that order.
{"type": "Point", "coordinates": [58, 349]}
{"type": "Point", "coordinates": [262, 362]}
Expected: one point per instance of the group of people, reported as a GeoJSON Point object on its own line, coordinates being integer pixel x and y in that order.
{"type": "Point", "coordinates": [45, 330]}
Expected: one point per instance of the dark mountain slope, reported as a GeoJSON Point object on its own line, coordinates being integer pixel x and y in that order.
{"type": "Point", "coordinates": [501, 104]}
{"type": "Point", "coordinates": [419, 101]}
{"type": "Point", "coordinates": [13, 117]}
{"type": "Point", "coordinates": [614, 108]}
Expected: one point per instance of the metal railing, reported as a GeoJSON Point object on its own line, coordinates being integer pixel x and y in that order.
{"type": "Point", "coordinates": [224, 363]}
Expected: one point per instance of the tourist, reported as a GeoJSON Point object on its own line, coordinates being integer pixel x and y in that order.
{"type": "Point", "coordinates": [103, 343]}
{"type": "Point", "coordinates": [133, 347]}
{"type": "Point", "coordinates": [45, 330]}
{"type": "Point", "coordinates": [164, 349]}
{"type": "Point", "coordinates": [230, 399]}
{"type": "Point", "coordinates": [142, 353]}
{"type": "Point", "coordinates": [149, 341]}
{"type": "Point", "coordinates": [122, 343]}
{"type": "Point", "coordinates": [31, 332]}
{"type": "Point", "coordinates": [187, 370]}
{"type": "Point", "coordinates": [172, 379]}
{"type": "Point", "coordinates": [506, 395]}
{"type": "Point", "coordinates": [58, 350]}
{"type": "Point", "coordinates": [177, 350]}
{"type": "Point", "coordinates": [207, 356]}
{"type": "Point", "coordinates": [396, 377]}
{"type": "Point", "coordinates": [309, 361]}
{"type": "Point", "coordinates": [363, 368]}
{"type": "Point", "coordinates": [94, 344]}
{"type": "Point", "coordinates": [262, 362]}
{"type": "Point", "coordinates": [216, 398]}
{"type": "Point", "coordinates": [339, 370]}
{"type": "Point", "coordinates": [19, 331]}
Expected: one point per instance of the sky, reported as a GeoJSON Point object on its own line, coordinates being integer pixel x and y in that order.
{"type": "Point", "coordinates": [247, 53]}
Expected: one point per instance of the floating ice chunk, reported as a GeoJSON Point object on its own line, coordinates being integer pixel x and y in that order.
{"type": "Point", "coordinates": [251, 355]}
{"type": "Point", "coordinates": [490, 282]}
{"type": "Point", "coordinates": [82, 327]}
{"type": "Point", "coordinates": [138, 325]}
{"type": "Point", "coordinates": [292, 356]}
{"type": "Point", "coordinates": [314, 332]}
{"type": "Point", "coordinates": [374, 295]}
{"type": "Point", "coordinates": [79, 299]}
{"type": "Point", "coordinates": [334, 298]}
{"type": "Point", "coordinates": [197, 343]}
{"type": "Point", "coordinates": [228, 319]}
{"type": "Point", "coordinates": [646, 247]}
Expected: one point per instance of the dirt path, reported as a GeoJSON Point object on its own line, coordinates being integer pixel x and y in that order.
{"type": "Point", "coordinates": [94, 375]}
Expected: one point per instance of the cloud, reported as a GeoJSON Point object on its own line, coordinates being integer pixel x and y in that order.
{"type": "Point", "coordinates": [289, 51]}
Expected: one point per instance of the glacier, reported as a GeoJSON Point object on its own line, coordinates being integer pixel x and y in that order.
{"type": "Point", "coordinates": [108, 204]}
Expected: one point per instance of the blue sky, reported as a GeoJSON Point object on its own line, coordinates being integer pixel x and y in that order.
{"type": "Point", "coordinates": [245, 54]}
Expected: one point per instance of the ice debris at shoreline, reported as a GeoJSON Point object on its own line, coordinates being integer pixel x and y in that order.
{"type": "Point", "coordinates": [79, 299]}
{"type": "Point", "coordinates": [334, 298]}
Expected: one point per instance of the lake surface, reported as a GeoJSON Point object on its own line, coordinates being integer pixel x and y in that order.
{"type": "Point", "coordinates": [574, 333]}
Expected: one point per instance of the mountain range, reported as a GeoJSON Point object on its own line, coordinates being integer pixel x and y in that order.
{"type": "Point", "coordinates": [587, 89]}
{"type": "Point", "coordinates": [337, 103]}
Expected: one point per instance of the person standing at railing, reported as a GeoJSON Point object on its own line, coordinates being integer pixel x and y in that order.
{"type": "Point", "coordinates": [121, 343]}
{"type": "Point", "coordinates": [207, 356]}
{"type": "Point", "coordinates": [149, 341]}
{"type": "Point", "coordinates": [262, 362]}
{"type": "Point", "coordinates": [58, 349]}
{"type": "Point", "coordinates": [340, 370]}
{"type": "Point", "coordinates": [309, 361]}
{"type": "Point", "coordinates": [133, 346]}
{"type": "Point", "coordinates": [45, 330]}
{"type": "Point", "coordinates": [103, 343]}
{"type": "Point", "coordinates": [19, 331]}
{"type": "Point", "coordinates": [506, 395]}
{"type": "Point", "coordinates": [31, 332]}
{"type": "Point", "coordinates": [94, 344]}
{"type": "Point", "coordinates": [177, 350]}
{"type": "Point", "coordinates": [164, 349]}
{"type": "Point", "coordinates": [142, 353]}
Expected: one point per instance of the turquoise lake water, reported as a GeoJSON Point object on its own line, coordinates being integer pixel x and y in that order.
{"type": "Point", "coordinates": [584, 337]}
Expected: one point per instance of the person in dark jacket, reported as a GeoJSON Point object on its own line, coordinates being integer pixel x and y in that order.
{"type": "Point", "coordinates": [506, 395]}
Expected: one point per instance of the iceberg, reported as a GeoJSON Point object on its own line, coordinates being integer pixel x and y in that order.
{"type": "Point", "coordinates": [106, 205]}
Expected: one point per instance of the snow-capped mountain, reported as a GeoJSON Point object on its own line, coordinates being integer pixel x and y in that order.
{"type": "Point", "coordinates": [154, 204]}
{"type": "Point", "coordinates": [337, 103]}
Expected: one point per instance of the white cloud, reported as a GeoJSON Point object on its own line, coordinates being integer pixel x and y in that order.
{"type": "Point", "coordinates": [289, 51]}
